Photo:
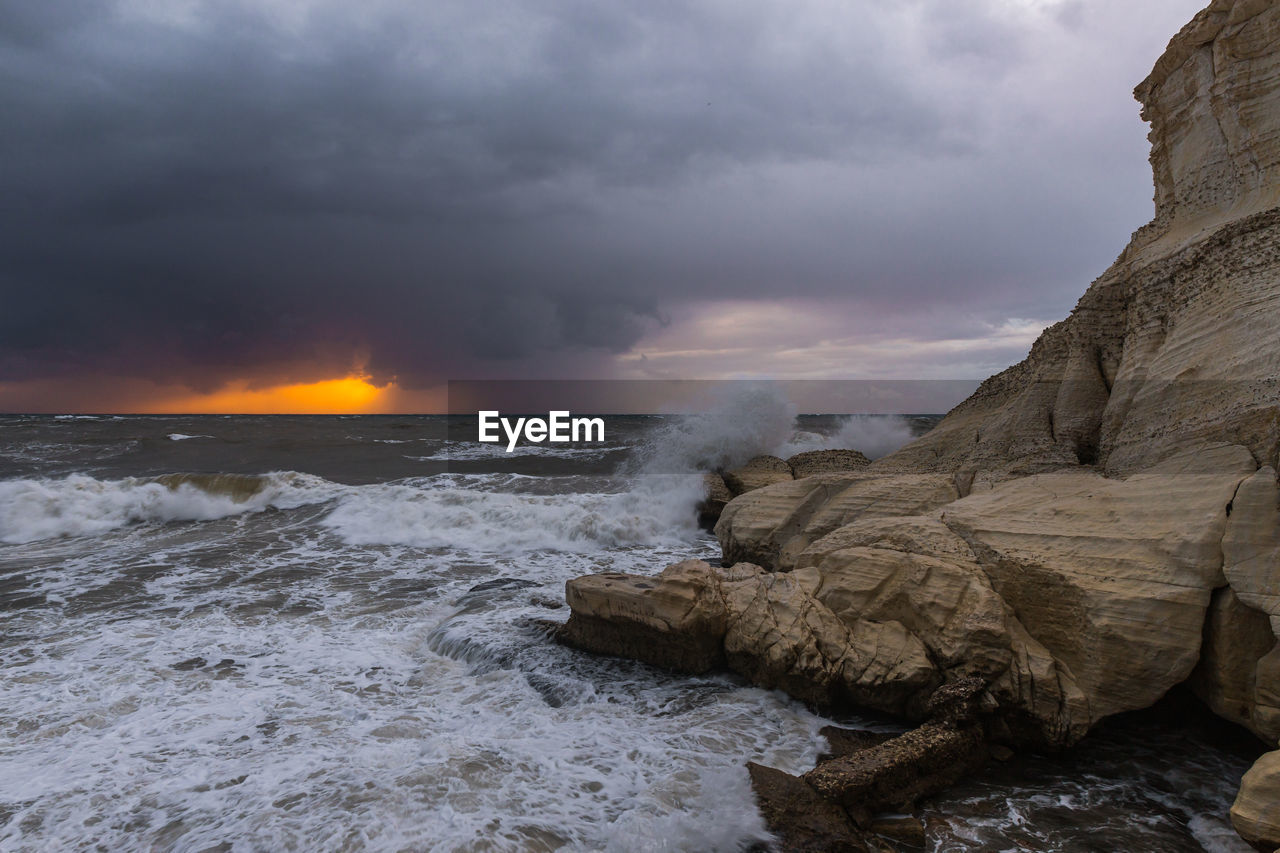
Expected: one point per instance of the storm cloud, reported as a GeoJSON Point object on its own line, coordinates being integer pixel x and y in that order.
{"type": "Point", "coordinates": [193, 192]}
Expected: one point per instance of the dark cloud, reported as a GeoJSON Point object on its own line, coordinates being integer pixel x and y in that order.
{"type": "Point", "coordinates": [196, 191]}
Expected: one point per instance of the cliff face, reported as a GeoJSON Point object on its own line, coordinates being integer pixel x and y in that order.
{"type": "Point", "coordinates": [1215, 140]}
{"type": "Point", "coordinates": [1177, 343]}
{"type": "Point", "coordinates": [1094, 526]}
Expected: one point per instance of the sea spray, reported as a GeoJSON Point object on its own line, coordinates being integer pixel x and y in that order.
{"type": "Point", "coordinates": [874, 436]}
{"type": "Point", "coordinates": [748, 420]}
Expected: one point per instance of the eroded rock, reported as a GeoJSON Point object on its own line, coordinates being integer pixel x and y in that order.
{"type": "Point", "coordinates": [757, 473]}
{"type": "Point", "coordinates": [1256, 812]}
{"type": "Point", "coordinates": [826, 462]}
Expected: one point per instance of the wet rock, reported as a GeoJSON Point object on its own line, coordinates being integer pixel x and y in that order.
{"type": "Point", "coordinates": [826, 462]}
{"type": "Point", "coordinates": [842, 741]}
{"type": "Point", "coordinates": [717, 495]}
{"type": "Point", "coordinates": [907, 829]}
{"type": "Point", "coordinates": [896, 774]}
{"type": "Point", "coordinates": [803, 820]}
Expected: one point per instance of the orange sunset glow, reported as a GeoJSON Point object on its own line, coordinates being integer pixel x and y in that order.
{"type": "Point", "coordinates": [351, 395]}
{"type": "Point", "coordinates": [354, 394]}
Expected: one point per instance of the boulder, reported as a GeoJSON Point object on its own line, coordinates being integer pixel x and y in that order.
{"type": "Point", "coordinates": [1251, 545]}
{"type": "Point", "coordinates": [767, 627]}
{"type": "Point", "coordinates": [676, 620]}
{"type": "Point", "coordinates": [753, 528]}
{"type": "Point", "coordinates": [1113, 577]}
{"type": "Point", "coordinates": [826, 462]}
{"type": "Point", "coordinates": [717, 494]}
{"type": "Point", "coordinates": [851, 792]}
{"type": "Point", "coordinates": [1256, 812]}
{"type": "Point", "coordinates": [920, 574]}
{"type": "Point", "coordinates": [772, 526]}
{"type": "Point", "coordinates": [757, 473]}
{"type": "Point", "coordinates": [1075, 596]}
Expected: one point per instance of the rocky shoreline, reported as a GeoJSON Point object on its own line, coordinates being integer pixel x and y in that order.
{"type": "Point", "coordinates": [1093, 528]}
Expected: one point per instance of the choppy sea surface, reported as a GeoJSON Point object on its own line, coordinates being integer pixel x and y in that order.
{"type": "Point", "coordinates": [331, 633]}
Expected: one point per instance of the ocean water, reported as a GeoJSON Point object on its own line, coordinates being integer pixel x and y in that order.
{"type": "Point", "coordinates": [299, 633]}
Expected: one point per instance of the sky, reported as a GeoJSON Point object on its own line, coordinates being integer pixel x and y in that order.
{"type": "Point", "coordinates": [312, 205]}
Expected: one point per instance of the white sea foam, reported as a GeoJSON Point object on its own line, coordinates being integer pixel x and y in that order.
{"type": "Point", "coordinates": [177, 436]}
{"type": "Point", "coordinates": [444, 513]}
{"type": "Point", "coordinates": [187, 726]}
{"type": "Point", "coordinates": [80, 505]}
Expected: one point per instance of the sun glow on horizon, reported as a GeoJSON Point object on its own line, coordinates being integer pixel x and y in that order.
{"type": "Point", "coordinates": [350, 395]}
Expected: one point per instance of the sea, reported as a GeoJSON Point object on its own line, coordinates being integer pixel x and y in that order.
{"type": "Point", "coordinates": [279, 633]}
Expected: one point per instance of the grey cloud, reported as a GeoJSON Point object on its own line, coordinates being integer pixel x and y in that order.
{"type": "Point", "coordinates": [441, 188]}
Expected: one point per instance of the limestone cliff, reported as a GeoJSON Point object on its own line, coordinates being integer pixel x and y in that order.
{"type": "Point", "coordinates": [1095, 525]}
{"type": "Point", "coordinates": [1179, 341]}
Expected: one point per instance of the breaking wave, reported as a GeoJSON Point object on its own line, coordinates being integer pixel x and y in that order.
{"type": "Point", "coordinates": [80, 505]}
{"type": "Point", "coordinates": [655, 511]}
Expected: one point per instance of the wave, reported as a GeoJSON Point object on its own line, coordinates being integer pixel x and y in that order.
{"type": "Point", "coordinates": [178, 436]}
{"type": "Point", "coordinates": [445, 514]}
{"type": "Point", "coordinates": [80, 505]}
{"type": "Point", "coordinates": [463, 513]}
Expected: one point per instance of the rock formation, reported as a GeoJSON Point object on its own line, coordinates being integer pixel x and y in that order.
{"type": "Point", "coordinates": [1256, 812]}
{"type": "Point", "coordinates": [1094, 526]}
{"type": "Point", "coordinates": [762, 471]}
{"type": "Point", "coordinates": [826, 462]}
{"type": "Point", "coordinates": [717, 496]}
{"type": "Point", "coordinates": [758, 472]}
